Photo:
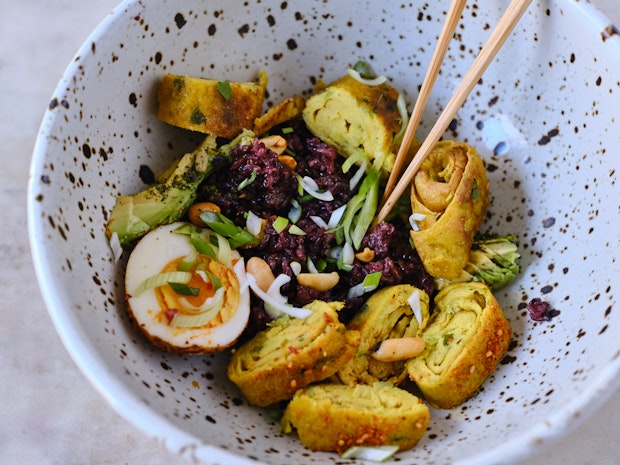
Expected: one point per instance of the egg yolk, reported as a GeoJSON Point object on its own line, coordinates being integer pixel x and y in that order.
{"type": "Point", "coordinates": [171, 302]}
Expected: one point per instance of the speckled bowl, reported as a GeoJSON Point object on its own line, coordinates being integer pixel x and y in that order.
{"type": "Point", "coordinates": [545, 117]}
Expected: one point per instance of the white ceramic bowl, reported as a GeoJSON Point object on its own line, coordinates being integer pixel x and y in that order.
{"type": "Point", "coordinates": [552, 97]}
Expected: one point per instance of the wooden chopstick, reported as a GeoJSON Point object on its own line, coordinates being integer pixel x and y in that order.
{"type": "Point", "coordinates": [445, 36]}
{"type": "Point", "coordinates": [497, 38]}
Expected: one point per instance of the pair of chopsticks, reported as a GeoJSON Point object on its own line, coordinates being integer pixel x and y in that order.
{"type": "Point", "coordinates": [504, 27]}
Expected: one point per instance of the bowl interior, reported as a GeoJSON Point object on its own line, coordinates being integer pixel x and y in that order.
{"type": "Point", "coordinates": [542, 117]}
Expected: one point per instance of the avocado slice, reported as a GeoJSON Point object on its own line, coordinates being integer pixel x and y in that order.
{"type": "Point", "coordinates": [168, 200]}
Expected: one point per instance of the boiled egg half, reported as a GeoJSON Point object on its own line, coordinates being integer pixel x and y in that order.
{"type": "Point", "coordinates": [187, 290]}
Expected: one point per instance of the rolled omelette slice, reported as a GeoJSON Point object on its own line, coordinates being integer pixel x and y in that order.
{"type": "Point", "coordinates": [335, 417]}
{"type": "Point", "coordinates": [386, 314]}
{"type": "Point", "coordinates": [357, 119]}
{"type": "Point", "coordinates": [291, 354]}
{"type": "Point", "coordinates": [223, 109]}
{"type": "Point", "coordinates": [467, 336]}
{"type": "Point", "coordinates": [450, 193]}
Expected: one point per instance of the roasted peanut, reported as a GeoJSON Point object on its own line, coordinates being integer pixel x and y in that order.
{"type": "Point", "coordinates": [289, 161]}
{"type": "Point", "coordinates": [261, 271]}
{"type": "Point", "coordinates": [398, 349]}
{"type": "Point", "coordinates": [366, 255]}
{"type": "Point", "coordinates": [193, 214]}
{"type": "Point", "coordinates": [320, 281]}
{"type": "Point", "coordinates": [276, 143]}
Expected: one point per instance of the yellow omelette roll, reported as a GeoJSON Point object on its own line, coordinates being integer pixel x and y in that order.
{"type": "Point", "coordinates": [449, 198]}
{"type": "Point", "coordinates": [221, 108]}
{"type": "Point", "coordinates": [388, 314]}
{"type": "Point", "coordinates": [283, 111]}
{"type": "Point", "coordinates": [359, 119]}
{"type": "Point", "coordinates": [467, 336]}
{"type": "Point", "coordinates": [292, 353]}
{"type": "Point", "coordinates": [335, 417]}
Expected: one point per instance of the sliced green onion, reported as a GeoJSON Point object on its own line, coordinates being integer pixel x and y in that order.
{"type": "Point", "coordinates": [369, 82]}
{"type": "Point", "coordinates": [294, 214]}
{"type": "Point", "coordinates": [335, 252]}
{"type": "Point", "coordinates": [404, 118]}
{"type": "Point", "coordinates": [336, 216]}
{"type": "Point", "coordinates": [247, 181]}
{"type": "Point", "coordinates": [356, 158]}
{"type": "Point", "coordinates": [224, 89]}
{"type": "Point", "coordinates": [196, 239]}
{"type": "Point", "coordinates": [343, 260]}
{"type": "Point", "coordinates": [213, 303]}
{"type": "Point", "coordinates": [348, 254]}
{"type": "Point", "coordinates": [280, 223]}
{"type": "Point", "coordinates": [188, 262]}
{"type": "Point", "coordinates": [343, 266]}
{"type": "Point", "coordinates": [311, 266]}
{"type": "Point", "coordinates": [201, 245]}
{"type": "Point", "coordinates": [254, 224]}
{"type": "Point", "coordinates": [366, 215]}
{"type": "Point", "coordinates": [300, 187]}
{"type": "Point", "coordinates": [305, 198]}
{"type": "Point", "coordinates": [275, 302]}
{"type": "Point", "coordinates": [215, 281]}
{"type": "Point", "coordinates": [296, 267]}
{"type": "Point", "coordinates": [413, 220]}
{"type": "Point", "coordinates": [364, 69]}
{"type": "Point", "coordinates": [370, 283]}
{"type": "Point", "coordinates": [236, 235]}
{"type": "Point", "coordinates": [372, 453]}
{"type": "Point", "coordinates": [224, 251]}
{"type": "Point", "coordinates": [203, 275]}
{"type": "Point", "coordinates": [372, 280]}
{"type": "Point", "coordinates": [309, 182]}
{"type": "Point", "coordinates": [161, 279]}
{"type": "Point", "coordinates": [225, 229]}
{"type": "Point", "coordinates": [321, 265]}
{"type": "Point", "coordinates": [320, 222]}
{"type": "Point", "coordinates": [197, 320]}
{"type": "Point", "coordinates": [311, 187]}
{"type": "Point", "coordinates": [242, 238]}
{"type": "Point", "coordinates": [207, 312]}
{"type": "Point", "coordinates": [185, 229]}
{"type": "Point", "coordinates": [116, 247]}
{"type": "Point", "coordinates": [296, 230]}
{"type": "Point", "coordinates": [287, 130]}
{"type": "Point", "coordinates": [184, 289]}
{"type": "Point", "coordinates": [414, 302]}
{"type": "Point", "coordinates": [360, 211]}
{"type": "Point", "coordinates": [208, 216]}
{"type": "Point", "coordinates": [357, 177]}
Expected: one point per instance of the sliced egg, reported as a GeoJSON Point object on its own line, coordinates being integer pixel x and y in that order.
{"type": "Point", "coordinates": [187, 289]}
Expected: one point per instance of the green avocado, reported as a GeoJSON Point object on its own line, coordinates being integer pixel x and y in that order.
{"type": "Point", "coordinates": [166, 201]}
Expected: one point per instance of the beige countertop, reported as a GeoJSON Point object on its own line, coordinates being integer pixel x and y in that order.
{"type": "Point", "coordinates": [50, 412]}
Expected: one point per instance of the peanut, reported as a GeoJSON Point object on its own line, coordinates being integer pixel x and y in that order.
{"type": "Point", "coordinates": [366, 255]}
{"type": "Point", "coordinates": [398, 349]}
{"type": "Point", "coordinates": [261, 271]}
{"type": "Point", "coordinates": [193, 214]}
{"type": "Point", "coordinates": [320, 281]}
{"type": "Point", "coordinates": [289, 161]}
{"type": "Point", "coordinates": [275, 143]}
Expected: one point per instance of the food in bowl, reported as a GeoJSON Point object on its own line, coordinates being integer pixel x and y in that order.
{"type": "Point", "coordinates": [533, 123]}
{"type": "Point", "coordinates": [336, 300]}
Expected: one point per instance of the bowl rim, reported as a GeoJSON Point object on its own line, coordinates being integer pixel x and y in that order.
{"type": "Point", "coordinates": [128, 405]}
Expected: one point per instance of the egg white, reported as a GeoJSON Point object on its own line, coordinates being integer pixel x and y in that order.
{"type": "Point", "coordinates": [152, 253]}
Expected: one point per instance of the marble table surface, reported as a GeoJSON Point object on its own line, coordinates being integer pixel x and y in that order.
{"type": "Point", "coordinates": [50, 413]}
